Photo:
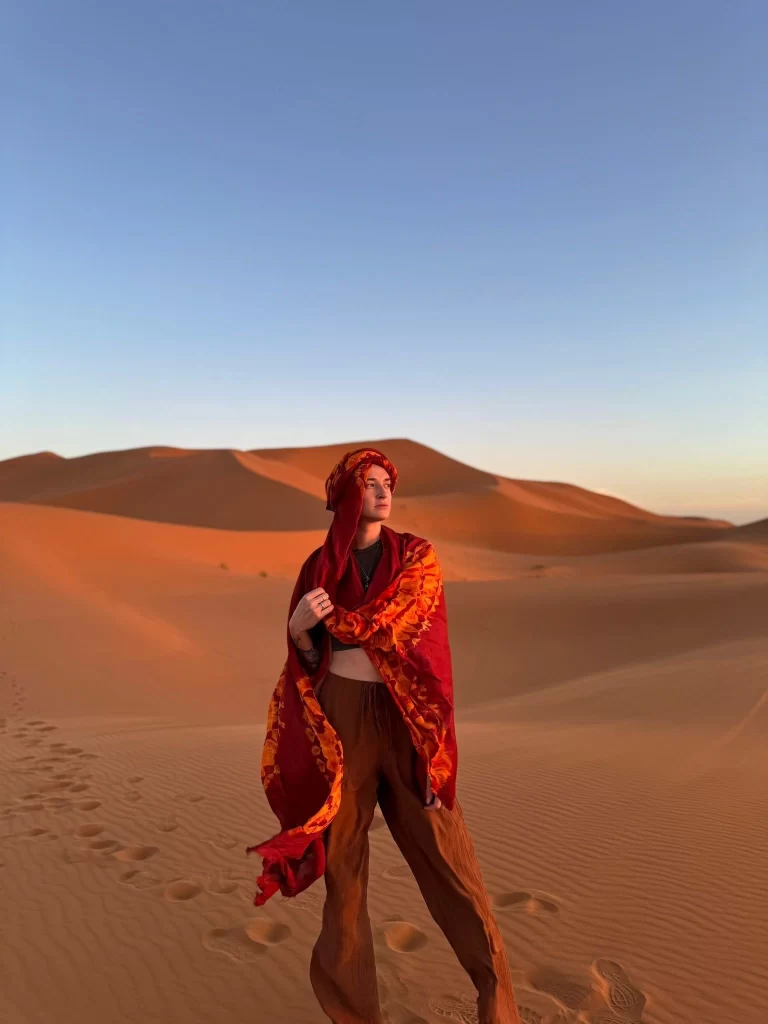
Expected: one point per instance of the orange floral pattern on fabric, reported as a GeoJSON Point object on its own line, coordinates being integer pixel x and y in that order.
{"type": "Point", "coordinates": [325, 747]}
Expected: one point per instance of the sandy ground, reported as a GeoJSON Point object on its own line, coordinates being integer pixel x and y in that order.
{"type": "Point", "coordinates": [613, 717]}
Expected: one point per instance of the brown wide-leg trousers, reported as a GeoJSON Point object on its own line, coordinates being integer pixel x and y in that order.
{"type": "Point", "coordinates": [380, 765]}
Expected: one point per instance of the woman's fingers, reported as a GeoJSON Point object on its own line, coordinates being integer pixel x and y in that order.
{"type": "Point", "coordinates": [318, 603]}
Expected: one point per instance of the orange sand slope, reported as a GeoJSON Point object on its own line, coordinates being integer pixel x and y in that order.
{"type": "Point", "coordinates": [142, 616]}
{"type": "Point", "coordinates": [612, 691]}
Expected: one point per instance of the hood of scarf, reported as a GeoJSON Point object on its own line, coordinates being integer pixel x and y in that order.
{"type": "Point", "coordinates": [334, 569]}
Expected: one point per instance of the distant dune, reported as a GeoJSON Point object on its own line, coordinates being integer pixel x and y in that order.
{"type": "Point", "coordinates": [757, 531]}
{"type": "Point", "coordinates": [283, 489]}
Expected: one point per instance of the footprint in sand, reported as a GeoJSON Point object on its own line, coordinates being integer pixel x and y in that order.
{"type": "Point", "coordinates": [459, 1008]}
{"type": "Point", "coordinates": [79, 787]}
{"type": "Point", "coordinates": [39, 834]}
{"type": "Point", "coordinates": [136, 878]}
{"type": "Point", "coordinates": [574, 993]}
{"type": "Point", "coordinates": [48, 728]}
{"type": "Point", "coordinates": [136, 779]}
{"type": "Point", "coordinates": [88, 805]}
{"type": "Point", "coordinates": [248, 941]}
{"type": "Point", "coordinates": [624, 999]}
{"type": "Point", "coordinates": [403, 937]}
{"type": "Point", "coordinates": [103, 846]}
{"type": "Point", "coordinates": [221, 886]}
{"type": "Point", "coordinates": [530, 903]}
{"type": "Point", "coordinates": [88, 830]}
{"type": "Point", "coordinates": [87, 757]}
{"type": "Point", "coordinates": [132, 796]}
{"type": "Point", "coordinates": [181, 890]}
{"type": "Point", "coordinates": [71, 750]}
{"type": "Point", "coordinates": [538, 1008]}
{"type": "Point", "coordinates": [137, 852]}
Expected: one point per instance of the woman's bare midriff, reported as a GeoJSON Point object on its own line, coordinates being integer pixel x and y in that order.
{"type": "Point", "coordinates": [354, 664]}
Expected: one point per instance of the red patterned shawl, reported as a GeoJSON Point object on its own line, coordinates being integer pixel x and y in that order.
{"type": "Point", "coordinates": [402, 626]}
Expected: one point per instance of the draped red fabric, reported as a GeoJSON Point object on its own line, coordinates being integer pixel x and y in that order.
{"type": "Point", "coordinates": [401, 623]}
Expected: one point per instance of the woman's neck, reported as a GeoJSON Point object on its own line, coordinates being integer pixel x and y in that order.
{"type": "Point", "coordinates": [367, 534]}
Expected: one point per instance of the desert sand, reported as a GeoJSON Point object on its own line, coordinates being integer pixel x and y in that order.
{"type": "Point", "coordinates": [611, 674]}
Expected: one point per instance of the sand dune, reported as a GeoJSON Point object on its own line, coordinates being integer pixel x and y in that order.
{"type": "Point", "coordinates": [751, 531]}
{"type": "Point", "coordinates": [612, 691]}
{"type": "Point", "coordinates": [220, 489]}
{"type": "Point", "coordinates": [728, 555]}
{"type": "Point", "coordinates": [140, 615]}
{"type": "Point", "coordinates": [283, 489]}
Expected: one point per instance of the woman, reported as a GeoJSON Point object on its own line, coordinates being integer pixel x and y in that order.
{"type": "Point", "coordinates": [363, 713]}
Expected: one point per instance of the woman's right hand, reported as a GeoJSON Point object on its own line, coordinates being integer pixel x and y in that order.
{"type": "Point", "coordinates": [310, 610]}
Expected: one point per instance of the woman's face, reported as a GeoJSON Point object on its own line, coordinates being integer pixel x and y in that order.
{"type": "Point", "coordinates": [377, 497]}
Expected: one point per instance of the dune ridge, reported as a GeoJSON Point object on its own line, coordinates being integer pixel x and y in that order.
{"type": "Point", "coordinates": [283, 489]}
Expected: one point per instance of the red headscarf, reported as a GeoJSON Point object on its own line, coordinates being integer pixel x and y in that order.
{"type": "Point", "coordinates": [334, 570]}
{"type": "Point", "coordinates": [402, 626]}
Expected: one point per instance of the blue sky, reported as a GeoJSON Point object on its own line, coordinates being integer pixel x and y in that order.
{"type": "Point", "coordinates": [532, 236]}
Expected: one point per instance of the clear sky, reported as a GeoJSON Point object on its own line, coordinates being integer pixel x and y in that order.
{"type": "Point", "coordinates": [533, 236]}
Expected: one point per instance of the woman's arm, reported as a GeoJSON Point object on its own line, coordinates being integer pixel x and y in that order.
{"type": "Point", "coordinates": [306, 625]}
{"type": "Point", "coordinates": [310, 655]}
